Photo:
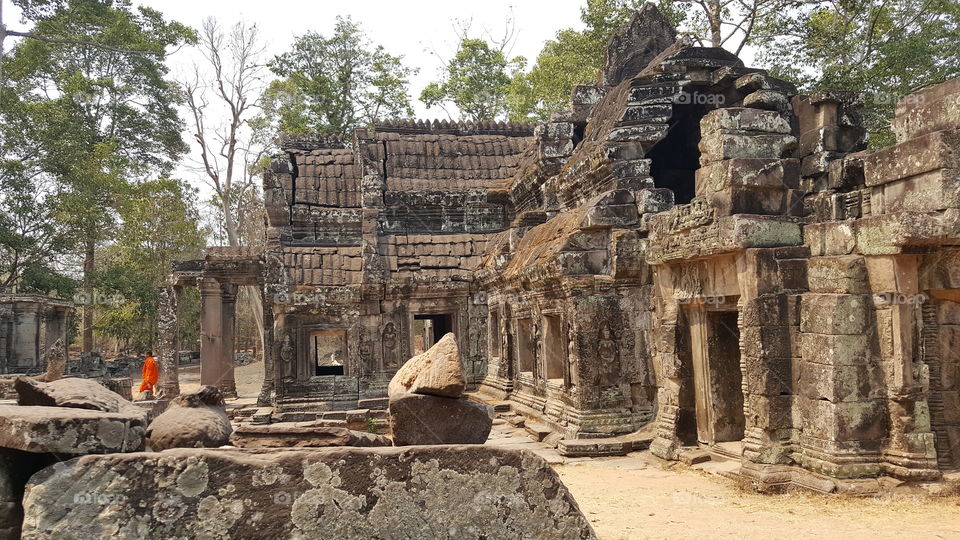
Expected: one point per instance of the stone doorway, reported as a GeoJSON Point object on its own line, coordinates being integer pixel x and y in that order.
{"type": "Point", "coordinates": [555, 348]}
{"type": "Point", "coordinates": [428, 329]}
{"type": "Point", "coordinates": [676, 158]}
{"type": "Point", "coordinates": [525, 346]}
{"type": "Point", "coordinates": [717, 377]}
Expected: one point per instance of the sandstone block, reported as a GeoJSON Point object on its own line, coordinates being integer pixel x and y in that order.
{"type": "Point", "coordinates": [844, 314]}
{"type": "Point", "coordinates": [457, 492]}
{"type": "Point", "coordinates": [66, 430]}
{"type": "Point", "coordinates": [437, 372]}
{"type": "Point", "coordinates": [937, 150]}
{"type": "Point", "coordinates": [839, 350]}
{"type": "Point", "coordinates": [744, 119]}
{"type": "Point", "coordinates": [758, 172]}
{"type": "Point", "coordinates": [197, 420]}
{"type": "Point", "coordinates": [74, 393]}
{"type": "Point", "coordinates": [927, 192]}
{"type": "Point", "coordinates": [935, 108]}
{"type": "Point", "coordinates": [846, 274]}
{"type": "Point", "coordinates": [421, 419]}
{"type": "Point", "coordinates": [283, 435]}
{"type": "Point", "coordinates": [840, 383]}
{"type": "Point", "coordinates": [844, 421]}
{"type": "Point", "coordinates": [719, 146]}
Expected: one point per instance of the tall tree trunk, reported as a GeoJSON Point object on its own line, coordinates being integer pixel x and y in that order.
{"type": "Point", "coordinates": [87, 321]}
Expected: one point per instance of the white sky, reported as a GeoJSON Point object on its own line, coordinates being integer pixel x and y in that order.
{"type": "Point", "coordinates": [412, 28]}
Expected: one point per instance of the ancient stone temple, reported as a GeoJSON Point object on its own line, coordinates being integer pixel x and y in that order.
{"type": "Point", "coordinates": [30, 325]}
{"type": "Point", "coordinates": [693, 245]}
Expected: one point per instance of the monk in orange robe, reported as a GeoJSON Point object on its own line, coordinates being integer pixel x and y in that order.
{"type": "Point", "coordinates": [151, 374]}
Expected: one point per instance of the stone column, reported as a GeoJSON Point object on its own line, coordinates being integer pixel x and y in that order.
{"type": "Point", "coordinates": [228, 383]}
{"type": "Point", "coordinates": [5, 314]}
{"type": "Point", "coordinates": [269, 357]}
{"type": "Point", "coordinates": [168, 342]}
{"type": "Point", "coordinates": [211, 337]}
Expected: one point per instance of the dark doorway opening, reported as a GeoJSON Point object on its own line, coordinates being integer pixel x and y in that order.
{"type": "Point", "coordinates": [429, 329]}
{"type": "Point", "coordinates": [676, 158]}
{"type": "Point", "coordinates": [726, 392]}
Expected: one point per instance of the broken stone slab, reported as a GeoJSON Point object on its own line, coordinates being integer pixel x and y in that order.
{"type": "Point", "coordinates": [73, 393]}
{"type": "Point", "coordinates": [294, 436]}
{"type": "Point", "coordinates": [419, 419]}
{"type": "Point", "coordinates": [444, 492]}
{"type": "Point", "coordinates": [742, 119]}
{"type": "Point", "coordinates": [65, 430]}
{"type": "Point", "coordinates": [195, 420]}
{"type": "Point", "coordinates": [437, 372]}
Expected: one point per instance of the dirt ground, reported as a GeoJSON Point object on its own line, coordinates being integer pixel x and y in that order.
{"type": "Point", "coordinates": [638, 496]}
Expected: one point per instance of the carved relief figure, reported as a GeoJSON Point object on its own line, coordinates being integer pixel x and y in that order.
{"type": "Point", "coordinates": [389, 341]}
{"type": "Point", "coordinates": [365, 364]}
{"type": "Point", "coordinates": [607, 351]}
{"type": "Point", "coordinates": [286, 349]}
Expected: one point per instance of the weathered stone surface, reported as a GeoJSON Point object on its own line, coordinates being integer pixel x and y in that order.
{"type": "Point", "coordinates": [284, 435]}
{"type": "Point", "coordinates": [838, 314]}
{"type": "Point", "coordinates": [647, 34]}
{"type": "Point", "coordinates": [738, 120]}
{"type": "Point", "coordinates": [437, 372]}
{"type": "Point", "coordinates": [937, 150]}
{"type": "Point", "coordinates": [715, 147]}
{"type": "Point", "coordinates": [196, 420]}
{"type": "Point", "coordinates": [934, 108]}
{"type": "Point", "coordinates": [64, 430]}
{"type": "Point", "coordinates": [761, 173]}
{"type": "Point", "coordinates": [419, 419]}
{"type": "Point", "coordinates": [450, 492]}
{"type": "Point", "coordinates": [846, 274]}
{"type": "Point", "coordinates": [74, 393]}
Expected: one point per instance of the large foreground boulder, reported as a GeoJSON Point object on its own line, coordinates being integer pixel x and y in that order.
{"type": "Point", "coordinates": [437, 372]}
{"type": "Point", "coordinates": [74, 393]}
{"type": "Point", "coordinates": [418, 492]}
{"type": "Point", "coordinates": [33, 437]}
{"type": "Point", "coordinates": [195, 420]}
{"type": "Point", "coordinates": [417, 419]}
{"type": "Point", "coordinates": [291, 435]}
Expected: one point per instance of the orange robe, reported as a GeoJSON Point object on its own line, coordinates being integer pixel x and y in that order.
{"type": "Point", "coordinates": [151, 374]}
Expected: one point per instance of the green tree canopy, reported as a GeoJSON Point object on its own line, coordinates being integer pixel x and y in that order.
{"type": "Point", "coordinates": [883, 48]}
{"type": "Point", "coordinates": [573, 57]}
{"type": "Point", "coordinates": [337, 83]}
{"type": "Point", "coordinates": [475, 80]}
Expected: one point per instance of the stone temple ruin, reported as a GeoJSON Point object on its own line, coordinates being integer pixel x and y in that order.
{"type": "Point", "coordinates": [694, 257]}
{"type": "Point", "coordinates": [693, 246]}
{"type": "Point", "coordinates": [30, 325]}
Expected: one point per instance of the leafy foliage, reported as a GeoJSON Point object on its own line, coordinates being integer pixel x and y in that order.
{"type": "Point", "coordinates": [572, 58]}
{"type": "Point", "coordinates": [476, 80]}
{"type": "Point", "coordinates": [883, 48]}
{"type": "Point", "coordinates": [335, 84]}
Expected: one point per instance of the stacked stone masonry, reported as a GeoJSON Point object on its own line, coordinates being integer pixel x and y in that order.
{"type": "Point", "coordinates": [693, 244]}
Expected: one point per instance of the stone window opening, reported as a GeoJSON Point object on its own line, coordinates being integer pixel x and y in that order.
{"type": "Point", "coordinates": [328, 351]}
{"type": "Point", "coordinates": [554, 348]}
{"type": "Point", "coordinates": [676, 158]}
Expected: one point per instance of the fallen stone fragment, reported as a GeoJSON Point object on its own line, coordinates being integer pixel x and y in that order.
{"type": "Point", "coordinates": [417, 419]}
{"type": "Point", "coordinates": [196, 420]}
{"type": "Point", "coordinates": [74, 393]}
{"type": "Point", "coordinates": [65, 430]}
{"type": "Point", "coordinates": [435, 492]}
{"type": "Point", "coordinates": [302, 436]}
{"type": "Point", "coordinates": [437, 372]}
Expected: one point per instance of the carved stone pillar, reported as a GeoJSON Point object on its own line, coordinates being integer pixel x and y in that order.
{"type": "Point", "coordinates": [228, 383]}
{"type": "Point", "coordinates": [168, 342]}
{"type": "Point", "coordinates": [269, 356]}
{"type": "Point", "coordinates": [211, 327]}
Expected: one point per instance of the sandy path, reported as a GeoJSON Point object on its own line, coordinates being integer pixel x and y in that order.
{"type": "Point", "coordinates": [635, 497]}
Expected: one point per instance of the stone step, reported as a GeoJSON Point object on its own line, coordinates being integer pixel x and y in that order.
{"type": "Point", "coordinates": [263, 415]}
{"type": "Point", "coordinates": [694, 456]}
{"type": "Point", "coordinates": [537, 431]}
